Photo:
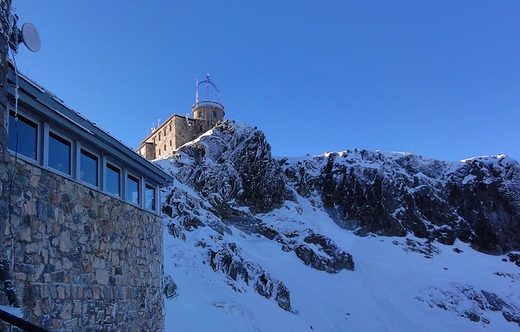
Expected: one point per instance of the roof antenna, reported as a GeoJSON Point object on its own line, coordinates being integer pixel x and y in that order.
{"type": "Point", "coordinates": [28, 35]}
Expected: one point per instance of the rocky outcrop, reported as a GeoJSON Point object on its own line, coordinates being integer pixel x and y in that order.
{"type": "Point", "coordinates": [232, 166]}
{"type": "Point", "coordinates": [318, 252]}
{"type": "Point", "coordinates": [467, 302]}
{"type": "Point", "coordinates": [228, 260]}
{"type": "Point", "coordinates": [227, 181]}
{"type": "Point", "coordinates": [477, 200]}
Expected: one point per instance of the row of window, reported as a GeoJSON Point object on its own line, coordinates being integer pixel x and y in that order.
{"type": "Point", "coordinates": [47, 147]}
{"type": "Point", "coordinates": [214, 114]}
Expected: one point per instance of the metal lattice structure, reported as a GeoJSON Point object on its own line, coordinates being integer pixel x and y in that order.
{"type": "Point", "coordinates": [207, 111]}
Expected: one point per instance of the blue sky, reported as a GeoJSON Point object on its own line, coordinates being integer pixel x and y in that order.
{"type": "Point", "coordinates": [439, 79]}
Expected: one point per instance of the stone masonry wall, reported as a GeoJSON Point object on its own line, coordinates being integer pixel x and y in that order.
{"type": "Point", "coordinates": [83, 260]}
{"type": "Point", "coordinates": [5, 7]}
{"type": "Point", "coordinates": [185, 131]}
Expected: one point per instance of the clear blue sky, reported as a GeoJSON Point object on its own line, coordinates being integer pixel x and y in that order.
{"type": "Point", "coordinates": [436, 78]}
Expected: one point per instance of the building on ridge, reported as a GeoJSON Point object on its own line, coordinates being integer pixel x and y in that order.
{"type": "Point", "coordinates": [178, 130]}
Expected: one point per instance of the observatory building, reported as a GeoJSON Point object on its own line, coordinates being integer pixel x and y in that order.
{"type": "Point", "coordinates": [179, 129]}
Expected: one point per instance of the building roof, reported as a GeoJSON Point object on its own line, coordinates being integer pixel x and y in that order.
{"type": "Point", "coordinates": [53, 108]}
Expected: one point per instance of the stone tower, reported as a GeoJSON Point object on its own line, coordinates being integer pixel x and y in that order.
{"type": "Point", "coordinates": [207, 112]}
{"type": "Point", "coordinates": [178, 130]}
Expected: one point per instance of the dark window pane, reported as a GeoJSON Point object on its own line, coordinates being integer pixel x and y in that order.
{"type": "Point", "coordinates": [132, 189]}
{"type": "Point", "coordinates": [59, 153]}
{"type": "Point", "coordinates": [113, 180]}
{"type": "Point", "coordinates": [88, 168]}
{"type": "Point", "coordinates": [26, 132]}
{"type": "Point", "coordinates": [149, 197]}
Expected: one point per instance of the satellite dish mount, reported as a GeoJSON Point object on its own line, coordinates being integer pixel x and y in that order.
{"type": "Point", "coordinates": [28, 35]}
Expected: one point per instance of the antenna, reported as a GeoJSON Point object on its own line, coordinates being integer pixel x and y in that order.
{"type": "Point", "coordinates": [197, 91]}
{"type": "Point", "coordinates": [30, 37]}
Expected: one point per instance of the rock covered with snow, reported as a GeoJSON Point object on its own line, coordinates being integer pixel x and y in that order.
{"type": "Point", "coordinates": [232, 167]}
{"type": "Point", "coordinates": [230, 195]}
{"type": "Point", "coordinates": [225, 180]}
{"type": "Point", "coordinates": [475, 200]}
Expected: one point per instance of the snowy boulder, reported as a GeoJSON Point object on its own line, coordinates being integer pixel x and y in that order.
{"type": "Point", "coordinates": [321, 253]}
{"type": "Point", "coordinates": [170, 287]}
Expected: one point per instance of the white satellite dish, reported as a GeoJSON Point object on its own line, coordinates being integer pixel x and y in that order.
{"type": "Point", "coordinates": [30, 37]}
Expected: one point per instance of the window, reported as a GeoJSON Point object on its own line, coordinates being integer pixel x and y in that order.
{"type": "Point", "coordinates": [59, 153]}
{"type": "Point", "coordinates": [214, 114]}
{"type": "Point", "coordinates": [149, 197]}
{"type": "Point", "coordinates": [132, 189]}
{"type": "Point", "coordinates": [23, 136]}
{"type": "Point", "coordinates": [113, 184]}
{"type": "Point", "coordinates": [88, 168]}
{"type": "Point", "coordinates": [170, 142]}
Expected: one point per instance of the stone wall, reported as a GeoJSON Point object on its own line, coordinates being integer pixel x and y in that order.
{"type": "Point", "coordinates": [83, 260]}
{"type": "Point", "coordinates": [185, 130]}
{"type": "Point", "coordinates": [5, 6]}
{"type": "Point", "coordinates": [176, 131]}
{"type": "Point", "coordinates": [208, 114]}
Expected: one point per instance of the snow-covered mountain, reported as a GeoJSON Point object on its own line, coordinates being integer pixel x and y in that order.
{"type": "Point", "coordinates": [356, 240]}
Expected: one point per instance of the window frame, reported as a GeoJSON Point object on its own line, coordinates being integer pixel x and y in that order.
{"type": "Point", "coordinates": [138, 181]}
{"type": "Point", "coordinates": [38, 145]}
{"type": "Point", "coordinates": [107, 164]}
{"type": "Point", "coordinates": [81, 149]}
{"type": "Point", "coordinates": [63, 139]}
{"type": "Point", "coordinates": [155, 198]}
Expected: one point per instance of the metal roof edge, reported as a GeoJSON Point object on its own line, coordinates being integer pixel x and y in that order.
{"type": "Point", "coordinates": [81, 125]}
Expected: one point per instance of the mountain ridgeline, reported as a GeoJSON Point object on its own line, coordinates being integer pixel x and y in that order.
{"type": "Point", "coordinates": [237, 211]}
{"type": "Point", "coordinates": [391, 194]}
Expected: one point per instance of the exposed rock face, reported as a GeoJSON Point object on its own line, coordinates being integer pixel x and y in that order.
{"type": "Point", "coordinates": [328, 257]}
{"type": "Point", "coordinates": [477, 200]}
{"type": "Point", "coordinates": [233, 167]}
{"type": "Point", "coordinates": [227, 181]}
{"type": "Point", "coordinates": [229, 261]}
{"type": "Point", "coordinates": [470, 303]}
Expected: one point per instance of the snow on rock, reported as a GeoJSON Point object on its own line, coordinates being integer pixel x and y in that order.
{"type": "Point", "coordinates": [355, 240]}
{"type": "Point", "coordinates": [467, 302]}
{"type": "Point", "coordinates": [476, 200]}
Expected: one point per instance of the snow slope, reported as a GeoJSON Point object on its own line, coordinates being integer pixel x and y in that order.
{"type": "Point", "coordinates": [251, 245]}
{"type": "Point", "coordinates": [391, 288]}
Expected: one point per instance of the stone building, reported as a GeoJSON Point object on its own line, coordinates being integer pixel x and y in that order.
{"type": "Point", "coordinates": [80, 218]}
{"type": "Point", "coordinates": [178, 130]}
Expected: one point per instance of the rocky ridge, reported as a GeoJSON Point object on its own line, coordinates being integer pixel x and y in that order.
{"type": "Point", "coordinates": [392, 194]}
{"type": "Point", "coordinates": [227, 181]}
